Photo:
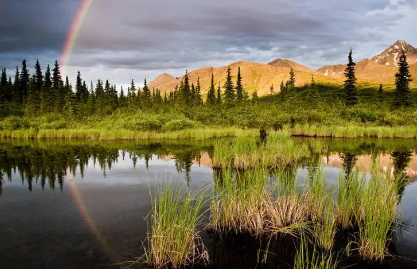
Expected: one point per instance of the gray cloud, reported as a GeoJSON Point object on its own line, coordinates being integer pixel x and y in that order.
{"type": "Point", "coordinates": [151, 36]}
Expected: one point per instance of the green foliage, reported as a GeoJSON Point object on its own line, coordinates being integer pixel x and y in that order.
{"type": "Point", "coordinates": [179, 124]}
{"type": "Point", "coordinates": [14, 123]}
{"type": "Point", "coordinates": [229, 91]}
{"type": "Point", "coordinates": [402, 81]}
{"type": "Point", "coordinates": [350, 87]}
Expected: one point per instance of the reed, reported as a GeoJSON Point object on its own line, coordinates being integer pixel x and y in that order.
{"type": "Point", "coordinates": [237, 205]}
{"type": "Point", "coordinates": [350, 204]}
{"type": "Point", "coordinates": [222, 154]}
{"type": "Point", "coordinates": [325, 229]}
{"type": "Point", "coordinates": [124, 134]}
{"type": "Point", "coordinates": [308, 257]}
{"type": "Point", "coordinates": [377, 219]}
{"type": "Point", "coordinates": [172, 238]}
{"type": "Point", "coordinates": [354, 131]}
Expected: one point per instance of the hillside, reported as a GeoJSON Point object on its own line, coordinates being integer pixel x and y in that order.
{"type": "Point", "coordinates": [256, 76]}
{"type": "Point", "coordinates": [291, 64]}
{"type": "Point", "coordinates": [380, 68]}
{"type": "Point", "coordinates": [333, 70]}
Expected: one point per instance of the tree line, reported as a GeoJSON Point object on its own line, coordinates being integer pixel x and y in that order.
{"type": "Point", "coordinates": [402, 82]}
{"type": "Point", "coordinates": [42, 93]}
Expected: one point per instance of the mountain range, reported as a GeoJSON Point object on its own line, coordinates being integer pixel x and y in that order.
{"type": "Point", "coordinates": [259, 77]}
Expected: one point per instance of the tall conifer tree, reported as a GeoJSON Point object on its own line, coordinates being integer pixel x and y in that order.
{"type": "Point", "coordinates": [239, 87]}
{"type": "Point", "coordinates": [229, 91]}
{"type": "Point", "coordinates": [402, 81]}
{"type": "Point", "coordinates": [211, 95]}
{"type": "Point", "coordinates": [58, 91]}
{"type": "Point", "coordinates": [38, 76]}
{"type": "Point", "coordinates": [219, 95]}
{"type": "Point", "coordinates": [350, 82]}
{"type": "Point", "coordinates": [24, 81]}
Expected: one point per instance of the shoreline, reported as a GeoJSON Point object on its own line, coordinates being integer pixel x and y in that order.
{"type": "Point", "coordinates": [306, 131]}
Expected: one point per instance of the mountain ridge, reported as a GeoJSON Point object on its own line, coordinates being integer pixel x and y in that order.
{"type": "Point", "coordinates": [260, 77]}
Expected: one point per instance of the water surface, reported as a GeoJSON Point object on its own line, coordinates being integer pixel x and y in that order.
{"type": "Point", "coordinates": [83, 204]}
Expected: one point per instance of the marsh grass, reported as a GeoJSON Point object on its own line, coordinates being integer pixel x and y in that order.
{"type": "Point", "coordinates": [124, 134]}
{"type": "Point", "coordinates": [354, 131]}
{"type": "Point", "coordinates": [247, 202]}
{"type": "Point", "coordinates": [247, 152]}
{"type": "Point", "coordinates": [173, 239]}
{"type": "Point", "coordinates": [351, 192]}
{"type": "Point", "coordinates": [378, 218]}
{"type": "Point", "coordinates": [308, 257]}
{"type": "Point", "coordinates": [237, 204]}
{"type": "Point", "coordinates": [325, 229]}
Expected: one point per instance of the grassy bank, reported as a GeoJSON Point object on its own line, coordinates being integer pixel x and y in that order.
{"type": "Point", "coordinates": [199, 133]}
{"type": "Point", "coordinates": [123, 134]}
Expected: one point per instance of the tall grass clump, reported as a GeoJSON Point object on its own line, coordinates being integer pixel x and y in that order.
{"type": "Point", "coordinates": [285, 211]}
{"type": "Point", "coordinates": [222, 154]}
{"type": "Point", "coordinates": [320, 201]}
{"type": "Point", "coordinates": [308, 257]}
{"type": "Point", "coordinates": [246, 152]}
{"type": "Point", "coordinates": [351, 192]}
{"type": "Point", "coordinates": [377, 218]}
{"type": "Point", "coordinates": [237, 205]}
{"type": "Point", "coordinates": [325, 229]}
{"type": "Point", "coordinates": [172, 238]}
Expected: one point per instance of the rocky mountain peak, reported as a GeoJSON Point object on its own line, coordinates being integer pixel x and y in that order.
{"type": "Point", "coordinates": [391, 55]}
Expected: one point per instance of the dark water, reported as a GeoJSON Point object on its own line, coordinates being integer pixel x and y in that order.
{"type": "Point", "coordinates": [82, 204]}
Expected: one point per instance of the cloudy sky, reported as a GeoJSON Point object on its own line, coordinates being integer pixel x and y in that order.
{"type": "Point", "coordinates": [125, 39]}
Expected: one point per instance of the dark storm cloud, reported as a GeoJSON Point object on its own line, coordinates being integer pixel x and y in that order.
{"type": "Point", "coordinates": [33, 28]}
{"type": "Point", "coordinates": [186, 34]}
{"type": "Point", "coordinates": [162, 34]}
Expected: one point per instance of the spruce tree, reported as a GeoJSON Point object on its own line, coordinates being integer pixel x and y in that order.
{"type": "Point", "coordinates": [122, 98]}
{"type": "Point", "coordinates": [351, 98]}
{"type": "Point", "coordinates": [255, 98]}
{"type": "Point", "coordinates": [198, 100]}
{"type": "Point", "coordinates": [192, 96]}
{"type": "Point", "coordinates": [70, 109]}
{"type": "Point", "coordinates": [229, 92]}
{"type": "Point", "coordinates": [3, 80]}
{"type": "Point", "coordinates": [239, 87]}
{"type": "Point", "coordinates": [146, 96]}
{"type": "Point", "coordinates": [99, 98]}
{"type": "Point", "coordinates": [32, 102]}
{"type": "Point", "coordinates": [211, 95]}
{"type": "Point", "coordinates": [313, 82]}
{"type": "Point", "coordinates": [219, 95]}
{"type": "Point", "coordinates": [91, 102]}
{"type": "Point", "coordinates": [185, 90]}
{"type": "Point", "coordinates": [283, 91]}
{"type": "Point", "coordinates": [4, 87]}
{"type": "Point", "coordinates": [46, 93]}
{"type": "Point", "coordinates": [271, 89]}
{"type": "Point", "coordinates": [380, 93]}
{"type": "Point", "coordinates": [402, 81]}
{"type": "Point", "coordinates": [79, 88]}
{"type": "Point", "coordinates": [17, 96]}
{"type": "Point", "coordinates": [38, 76]}
{"type": "Point", "coordinates": [291, 81]}
{"type": "Point", "coordinates": [4, 95]}
{"type": "Point", "coordinates": [24, 81]}
{"type": "Point", "coordinates": [58, 91]}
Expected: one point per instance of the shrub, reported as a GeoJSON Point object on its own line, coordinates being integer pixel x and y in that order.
{"type": "Point", "coordinates": [179, 124]}
{"type": "Point", "coordinates": [14, 123]}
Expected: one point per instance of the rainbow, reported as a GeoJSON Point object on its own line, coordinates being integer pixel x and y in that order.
{"type": "Point", "coordinates": [86, 216]}
{"type": "Point", "coordinates": [74, 31]}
